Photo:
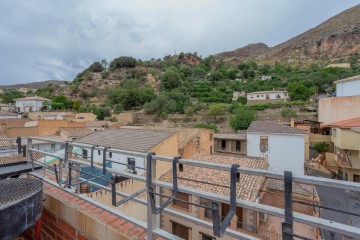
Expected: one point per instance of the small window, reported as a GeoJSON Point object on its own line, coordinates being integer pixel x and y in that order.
{"type": "Point", "coordinates": [110, 154]}
{"type": "Point", "coordinates": [223, 144]}
{"type": "Point", "coordinates": [211, 136]}
{"type": "Point", "coordinates": [278, 96]}
{"type": "Point", "coordinates": [211, 149]}
{"type": "Point", "coordinates": [99, 152]}
{"type": "Point", "coordinates": [180, 230]}
{"type": "Point", "coordinates": [264, 143]}
{"type": "Point", "coordinates": [238, 146]}
{"type": "Point", "coordinates": [84, 153]}
{"type": "Point", "coordinates": [356, 178]}
{"type": "Point", "coordinates": [334, 132]}
{"type": "Point", "coordinates": [181, 204]}
{"type": "Point", "coordinates": [206, 203]}
{"type": "Point", "coordinates": [53, 147]}
{"type": "Point", "coordinates": [206, 237]}
{"type": "Point", "coordinates": [131, 164]}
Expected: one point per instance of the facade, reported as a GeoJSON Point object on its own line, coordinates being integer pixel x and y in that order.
{"type": "Point", "coordinates": [282, 146]}
{"type": "Point", "coordinates": [237, 94]}
{"type": "Point", "coordinates": [230, 143]}
{"type": "Point", "coordinates": [47, 145]}
{"type": "Point", "coordinates": [30, 104]}
{"type": "Point", "coordinates": [265, 77]}
{"type": "Point", "coordinates": [9, 115]}
{"type": "Point", "coordinates": [162, 141]}
{"type": "Point", "coordinates": [268, 96]}
{"type": "Point", "coordinates": [348, 87]}
{"type": "Point", "coordinates": [6, 107]}
{"type": "Point", "coordinates": [345, 135]}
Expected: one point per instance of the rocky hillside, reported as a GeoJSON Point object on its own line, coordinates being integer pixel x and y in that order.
{"type": "Point", "coordinates": [35, 85]}
{"type": "Point", "coordinates": [336, 38]}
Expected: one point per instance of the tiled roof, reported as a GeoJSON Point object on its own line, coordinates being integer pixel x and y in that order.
{"type": "Point", "coordinates": [234, 136]}
{"type": "Point", "coordinates": [98, 123]}
{"type": "Point", "coordinates": [247, 189]}
{"type": "Point", "coordinates": [350, 123]}
{"type": "Point", "coordinates": [76, 131]}
{"type": "Point", "coordinates": [274, 91]}
{"type": "Point", "coordinates": [268, 126]}
{"type": "Point", "coordinates": [348, 79]}
{"type": "Point", "coordinates": [6, 143]}
{"type": "Point", "coordinates": [297, 188]}
{"type": "Point", "coordinates": [186, 135]}
{"type": "Point", "coordinates": [139, 140]}
{"type": "Point", "coordinates": [19, 158]}
{"type": "Point", "coordinates": [32, 98]}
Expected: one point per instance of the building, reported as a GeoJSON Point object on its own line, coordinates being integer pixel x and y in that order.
{"type": "Point", "coordinates": [73, 133]}
{"type": "Point", "coordinates": [348, 87]}
{"type": "Point", "coordinates": [7, 147]}
{"type": "Point", "coordinates": [268, 96]}
{"type": "Point", "coordinates": [30, 104]}
{"type": "Point", "coordinates": [282, 146]}
{"type": "Point", "coordinates": [162, 141]}
{"type": "Point", "coordinates": [345, 136]}
{"type": "Point", "coordinates": [248, 189]}
{"type": "Point", "coordinates": [9, 115]}
{"type": "Point", "coordinates": [265, 77]}
{"type": "Point", "coordinates": [237, 94]}
{"type": "Point", "coordinates": [6, 107]}
{"type": "Point", "coordinates": [230, 143]}
{"type": "Point", "coordinates": [98, 125]}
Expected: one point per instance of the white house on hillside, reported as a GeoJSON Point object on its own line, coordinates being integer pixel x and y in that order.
{"type": "Point", "coordinates": [268, 96]}
{"type": "Point", "coordinates": [348, 87]}
{"type": "Point", "coordinates": [282, 146]}
{"type": "Point", "coordinates": [30, 104]}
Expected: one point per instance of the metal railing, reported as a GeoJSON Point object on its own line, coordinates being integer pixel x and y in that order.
{"type": "Point", "coordinates": [153, 186]}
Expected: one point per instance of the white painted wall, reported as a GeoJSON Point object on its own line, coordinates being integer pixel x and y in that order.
{"type": "Point", "coordinates": [10, 116]}
{"type": "Point", "coordinates": [24, 105]}
{"type": "Point", "coordinates": [267, 96]}
{"type": "Point", "coordinates": [345, 89]}
{"type": "Point", "coordinates": [285, 152]}
{"type": "Point", "coordinates": [98, 158]}
{"type": "Point", "coordinates": [48, 147]}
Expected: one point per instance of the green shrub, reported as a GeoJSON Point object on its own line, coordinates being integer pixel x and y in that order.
{"type": "Point", "coordinates": [118, 108]}
{"type": "Point", "coordinates": [207, 126]}
{"type": "Point", "coordinates": [288, 113]}
{"type": "Point", "coordinates": [242, 119]}
{"type": "Point", "coordinates": [122, 62]}
{"type": "Point", "coordinates": [321, 147]}
{"type": "Point", "coordinates": [104, 74]}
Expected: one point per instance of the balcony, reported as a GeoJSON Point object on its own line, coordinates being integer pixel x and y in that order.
{"type": "Point", "coordinates": [343, 162]}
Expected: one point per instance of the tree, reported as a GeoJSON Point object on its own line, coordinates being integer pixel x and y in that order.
{"type": "Point", "coordinates": [189, 112]}
{"type": "Point", "coordinates": [161, 106]}
{"type": "Point", "coordinates": [207, 126]}
{"type": "Point", "coordinates": [102, 113]}
{"type": "Point", "coordinates": [76, 105]}
{"type": "Point", "coordinates": [321, 147]}
{"type": "Point", "coordinates": [104, 63]}
{"type": "Point", "coordinates": [96, 67]}
{"type": "Point", "coordinates": [170, 79]}
{"type": "Point", "coordinates": [216, 111]}
{"type": "Point", "coordinates": [118, 108]}
{"type": "Point", "coordinates": [242, 100]}
{"type": "Point", "coordinates": [61, 102]}
{"type": "Point", "coordinates": [298, 91]}
{"type": "Point", "coordinates": [242, 119]}
{"type": "Point", "coordinates": [9, 95]}
{"type": "Point", "coordinates": [122, 62]}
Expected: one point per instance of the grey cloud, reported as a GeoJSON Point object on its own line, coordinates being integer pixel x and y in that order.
{"type": "Point", "coordinates": [49, 39]}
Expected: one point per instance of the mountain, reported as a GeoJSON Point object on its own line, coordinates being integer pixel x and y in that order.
{"type": "Point", "coordinates": [35, 85]}
{"type": "Point", "coordinates": [336, 38]}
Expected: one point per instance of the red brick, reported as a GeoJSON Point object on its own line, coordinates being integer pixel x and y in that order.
{"type": "Point", "coordinates": [79, 202]}
{"type": "Point", "coordinates": [103, 215]}
{"type": "Point", "coordinates": [69, 237]}
{"type": "Point", "coordinates": [67, 228]}
{"type": "Point", "coordinates": [83, 206]}
{"type": "Point", "coordinates": [126, 227]}
{"type": "Point", "coordinates": [55, 228]}
{"type": "Point", "coordinates": [81, 237]}
{"type": "Point", "coordinates": [97, 211]}
{"type": "Point", "coordinates": [49, 231]}
{"type": "Point", "coordinates": [110, 219]}
{"type": "Point", "coordinates": [136, 231]}
{"type": "Point", "coordinates": [118, 222]}
{"type": "Point", "coordinates": [90, 208]}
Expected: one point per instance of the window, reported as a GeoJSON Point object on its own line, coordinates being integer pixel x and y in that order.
{"type": "Point", "coordinates": [131, 164]}
{"type": "Point", "coordinates": [278, 96]}
{"type": "Point", "coordinates": [211, 136]}
{"type": "Point", "coordinates": [181, 204]}
{"type": "Point", "coordinates": [264, 143]}
{"type": "Point", "coordinates": [356, 178]}
{"type": "Point", "coordinates": [206, 237]}
{"type": "Point", "coordinates": [99, 152]}
{"type": "Point", "coordinates": [53, 147]}
{"type": "Point", "coordinates": [223, 144]}
{"type": "Point", "coordinates": [85, 153]}
{"type": "Point", "coordinates": [110, 154]}
{"type": "Point", "coordinates": [211, 150]}
{"type": "Point", "coordinates": [180, 230]}
{"type": "Point", "coordinates": [206, 203]}
{"type": "Point", "coordinates": [238, 146]}
{"type": "Point", "coordinates": [334, 132]}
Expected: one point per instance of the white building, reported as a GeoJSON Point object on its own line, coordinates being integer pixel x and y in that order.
{"type": "Point", "coordinates": [237, 94]}
{"type": "Point", "coordinates": [268, 96]}
{"type": "Point", "coordinates": [30, 104]}
{"type": "Point", "coordinates": [282, 146]}
{"type": "Point", "coordinates": [265, 77]}
{"type": "Point", "coordinates": [9, 115]}
{"type": "Point", "coordinates": [348, 87]}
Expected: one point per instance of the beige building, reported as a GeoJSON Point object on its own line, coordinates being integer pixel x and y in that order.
{"type": "Point", "coordinates": [230, 143]}
{"type": "Point", "coordinates": [73, 133]}
{"type": "Point", "coordinates": [70, 116]}
{"type": "Point", "coordinates": [345, 136]}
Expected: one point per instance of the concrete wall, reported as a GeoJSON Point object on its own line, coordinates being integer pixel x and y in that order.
{"type": "Point", "coordinates": [29, 105]}
{"type": "Point", "coordinates": [43, 115]}
{"type": "Point", "coordinates": [267, 96]}
{"type": "Point", "coordinates": [51, 127]}
{"type": "Point", "coordinates": [346, 139]}
{"type": "Point", "coordinates": [21, 131]}
{"type": "Point", "coordinates": [350, 88]}
{"type": "Point", "coordinates": [230, 146]}
{"type": "Point", "coordinates": [285, 152]}
{"type": "Point", "coordinates": [125, 118]}
{"type": "Point", "coordinates": [338, 108]}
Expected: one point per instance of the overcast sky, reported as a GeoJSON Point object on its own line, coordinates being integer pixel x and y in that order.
{"type": "Point", "coordinates": [52, 39]}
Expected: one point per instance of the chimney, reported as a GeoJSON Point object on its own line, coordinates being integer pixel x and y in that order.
{"type": "Point", "coordinates": [292, 122]}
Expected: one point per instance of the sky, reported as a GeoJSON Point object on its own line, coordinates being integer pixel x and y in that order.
{"type": "Point", "coordinates": [54, 40]}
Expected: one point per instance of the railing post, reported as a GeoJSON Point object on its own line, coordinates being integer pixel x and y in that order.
{"type": "Point", "coordinates": [29, 153]}
{"type": "Point", "coordinates": [18, 141]}
{"type": "Point", "coordinates": [104, 160]}
{"type": "Point", "coordinates": [150, 176]}
{"type": "Point", "coordinates": [287, 226]}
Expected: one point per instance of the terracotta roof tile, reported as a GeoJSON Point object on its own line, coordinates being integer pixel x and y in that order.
{"type": "Point", "coordinates": [76, 131]}
{"type": "Point", "coordinates": [98, 123]}
{"type": "Point", "coordinates": [297, 188]}
{"type": "Point", "coordinates": [19, 158]}
{"type": "Point", "coordinates": [186, 135]}
{"type": "Point", "coordinates": [6, 143]}
{"type": "Point", "coordinates": [247, 189]}
{"type": "Point", "coordinates": [32, 98]}
{"type": "Point", "coordinates": [349, 123]}
{"type": "Point", "coordinates": [234, 136]}
{"type": "Point", "coordinates": [268, 126]}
